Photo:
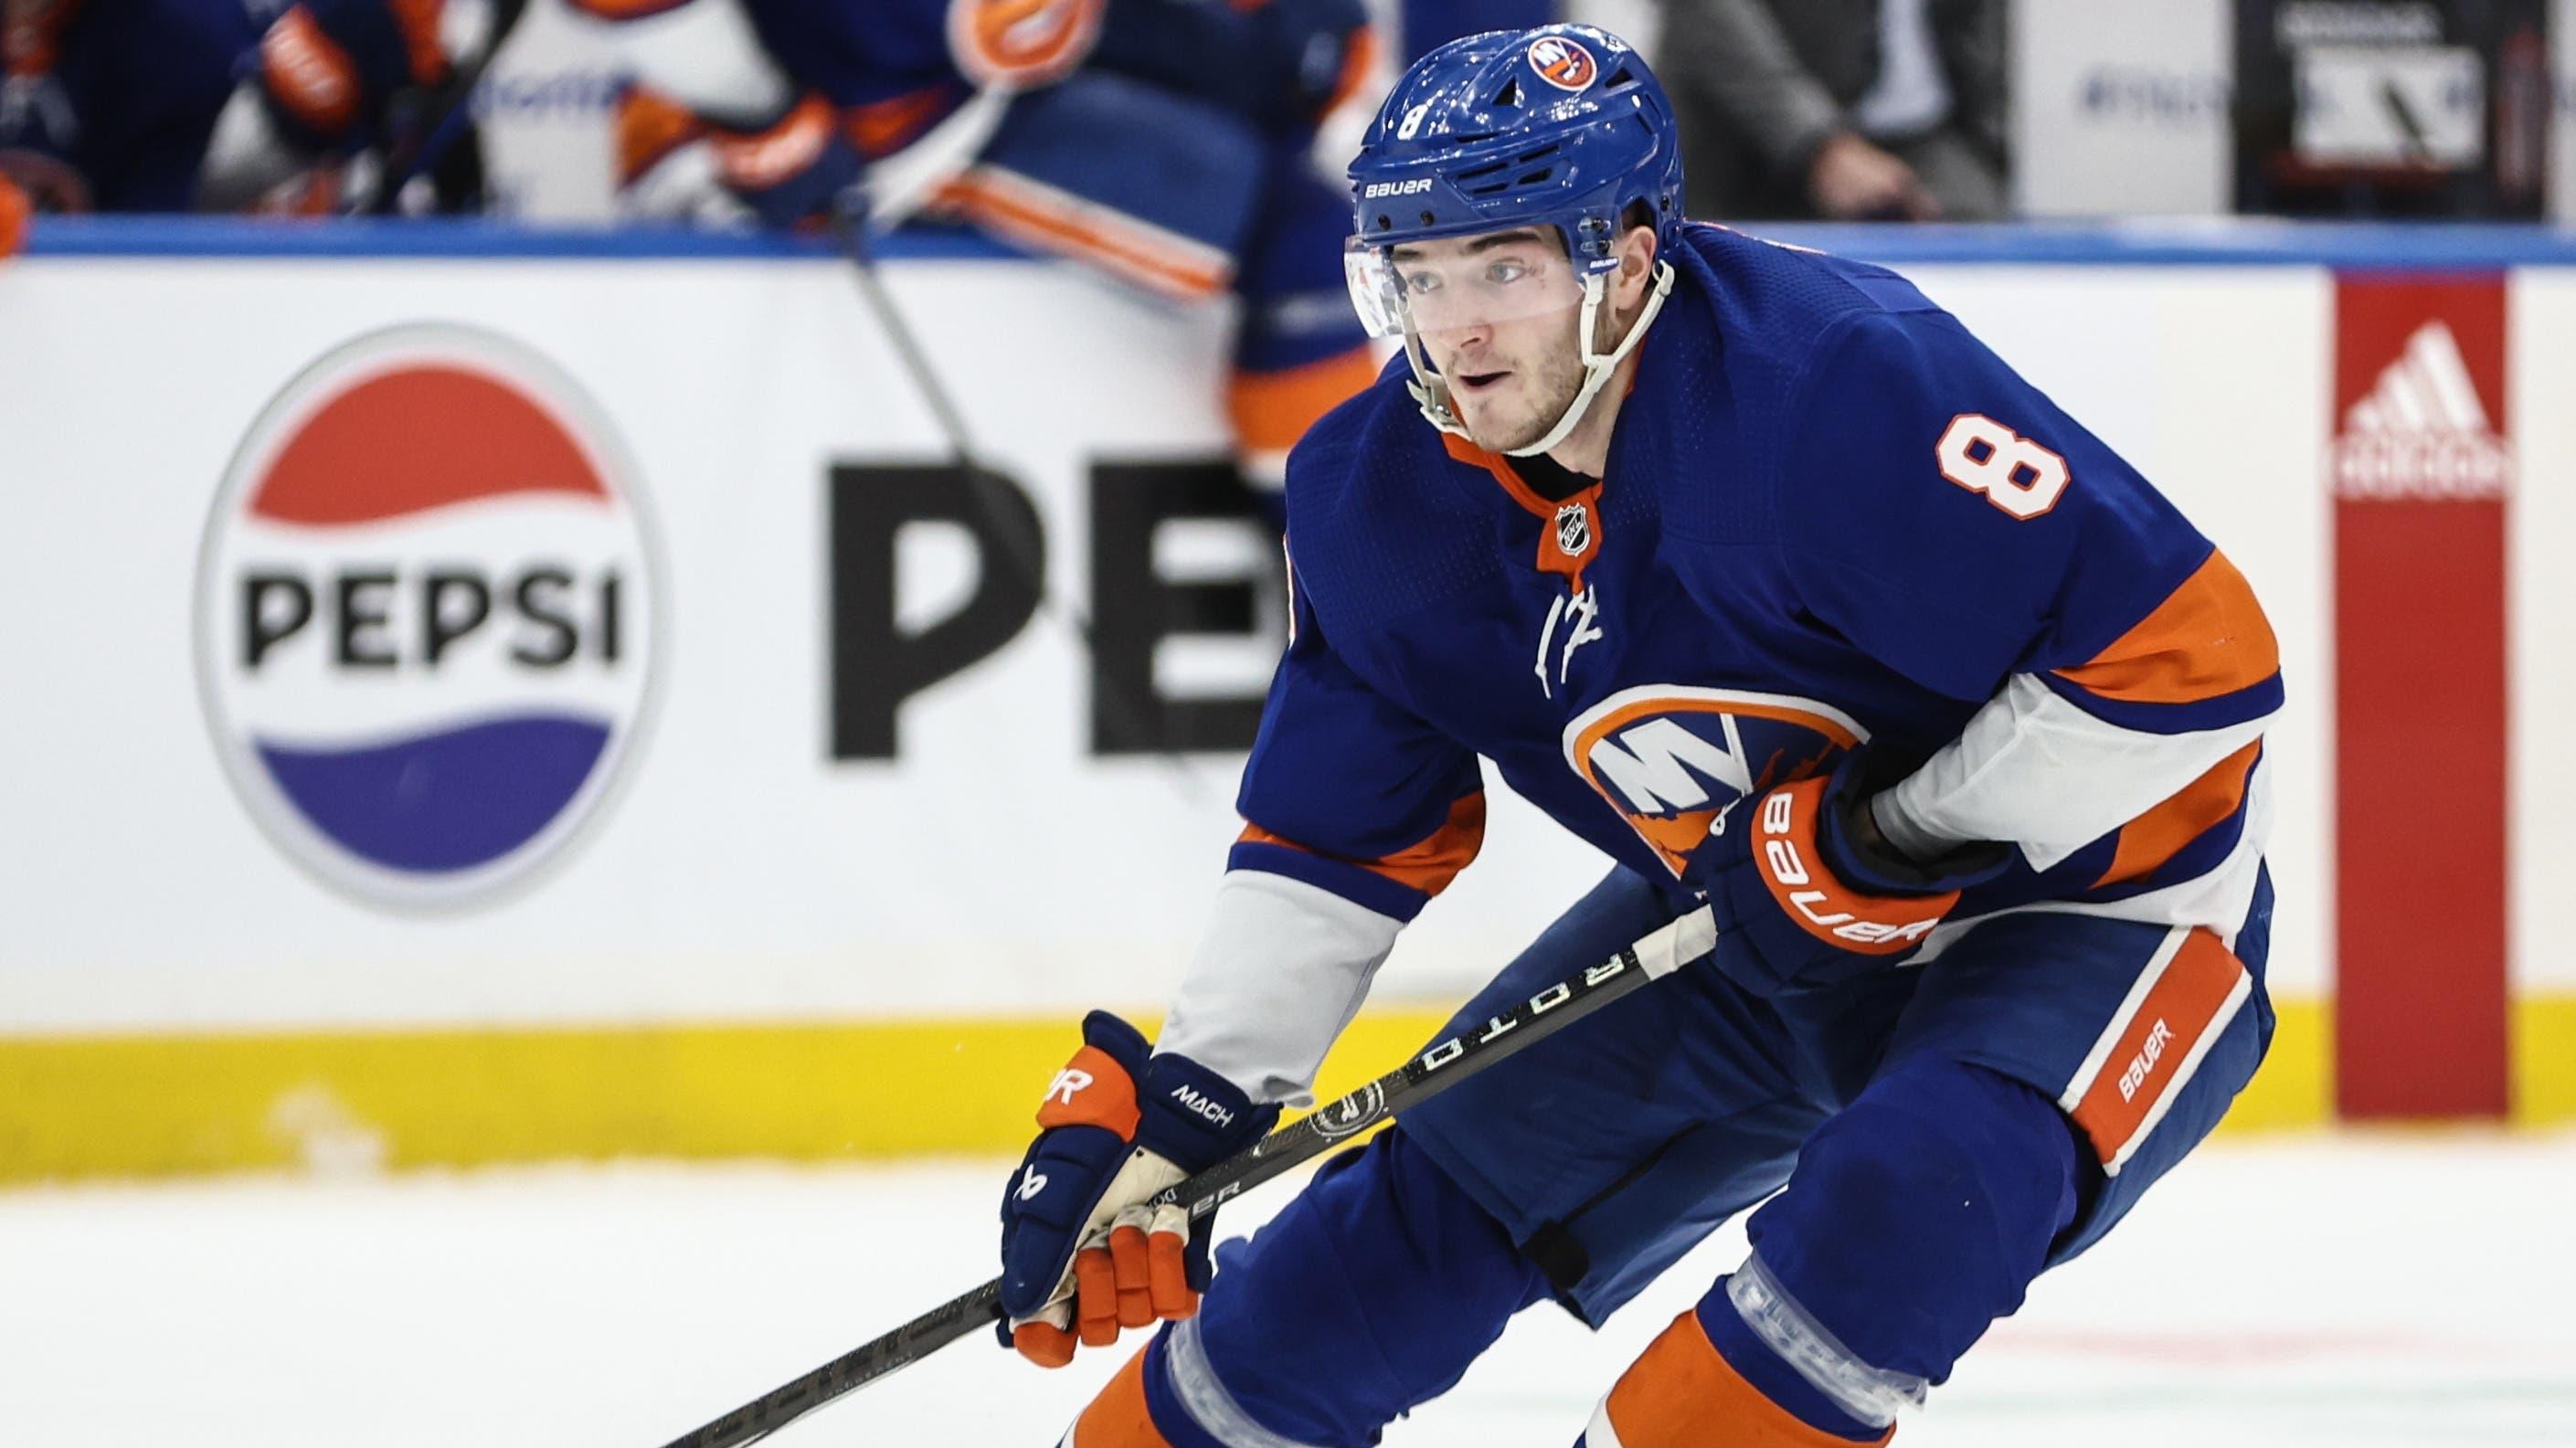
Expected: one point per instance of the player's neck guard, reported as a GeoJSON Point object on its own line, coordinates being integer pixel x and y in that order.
{"type": "Point", "coordinates": [1431, 391]}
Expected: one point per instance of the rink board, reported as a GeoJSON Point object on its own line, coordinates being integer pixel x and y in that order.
{"type": "Point", "coordinates": [810, 889]}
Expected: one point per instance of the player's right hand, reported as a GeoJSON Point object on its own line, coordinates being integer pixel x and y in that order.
{"type": "Point", "coordinates": [1083, 1254]}
{"type": "Point", "coordinates": [792, 172]}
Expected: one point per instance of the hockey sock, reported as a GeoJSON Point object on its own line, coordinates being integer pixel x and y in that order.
{"type": "Point", "coordinates": [1371, 1293]}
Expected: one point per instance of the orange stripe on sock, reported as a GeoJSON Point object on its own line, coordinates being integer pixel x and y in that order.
{"type": "Point", "coordinates": [1271, 410]}
{"type": "Point", "coordinates": [1681, 1393]}
{"type": "Point", "coordinates": [1117, 1418]}
{"type": "Point", "coordinates": [1427, 865]}
{"type": "Point", "coordinates": [1041, 217]}
{"type": "Point", "coordinates": [2209, 637]}
{"type": "Point", "coordinates": [2153, 1054]}
{"type": "Point", "coordinates": [2161, 833]}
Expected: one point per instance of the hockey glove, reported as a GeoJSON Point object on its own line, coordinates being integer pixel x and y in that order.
{"type": "Point", "coordinates": [793, 171]}
{"type": "Point", "coordinates": [1806, 895]}
{"type": "Point", "coordinates": [1082, 1253]}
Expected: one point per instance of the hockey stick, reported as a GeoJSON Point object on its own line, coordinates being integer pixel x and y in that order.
{"type": "Point", "coordinates": [1653, 957]}
{"type": "Point", "coordinates": [1026, 554]}
{"type": "Point", "coordinates": [450, 103]}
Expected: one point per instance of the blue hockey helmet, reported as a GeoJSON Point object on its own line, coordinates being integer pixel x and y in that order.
{"type": "Point", "coordinates": [1562, 127]}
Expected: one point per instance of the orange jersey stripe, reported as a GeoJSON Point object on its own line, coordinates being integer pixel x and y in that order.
{"type": "Point", "coordinates": [1504, 473]}
{"type": "Point", "coordinates": [1359, 66]}
{"type": "Point", "coordinates": [2209, 637]}
{"type": "Point", "coordinates": [1551, 557]}
{"type": "Point", "coordinates": [2161, 833]}
{"type": "Point", "coordinates": [1049, 220]}
{"type": "Point", "coordinates": [1427, 866]}
{"type": "Point", "coordinates": [650, 126]}
{"type": "Point", "coordinates": [1117, 1418]}
{"type": "Point", "coordinates": [2152, 1049]}
{"type": "Point", "coordinates": [1271, 410]}
{"type": "Point", "coordinates": [881, 128]}
{"type": "Point", "coordinates": [1682, 1393]}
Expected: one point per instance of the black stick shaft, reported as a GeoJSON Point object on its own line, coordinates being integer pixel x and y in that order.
{"type": "Point", "coordinates": [1435, 1070]}
{"type": "Point", "coordinates": [1026, 552]}
{"type": "Point", "coordinates": [407, 160]}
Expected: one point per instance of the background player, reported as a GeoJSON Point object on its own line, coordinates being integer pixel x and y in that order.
{"type": "Point", "coordinates": [183, 105]}
{"type": "Point", "coordinates": [1755, 569]}
{"type": "Point", "coordinates": [1167, 143]}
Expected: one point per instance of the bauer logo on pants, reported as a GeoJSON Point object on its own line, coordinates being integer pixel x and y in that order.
{"type": "Point", "coordinates": [426, 616]}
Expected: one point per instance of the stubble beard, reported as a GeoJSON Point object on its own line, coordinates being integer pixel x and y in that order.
{"type": "Point", "coordinates": [1553, 390]}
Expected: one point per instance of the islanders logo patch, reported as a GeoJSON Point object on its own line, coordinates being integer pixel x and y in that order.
{"type": "Point", "coordinates": [1563, 63]}
{"type": "Point", "coordinates": [427, 616]}
{"type": "Point", "coordinates": [1669, 757]}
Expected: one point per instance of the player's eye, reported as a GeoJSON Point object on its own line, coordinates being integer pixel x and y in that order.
{"type": "Point", "coordinates": [1422, 282]}
{"type": "Point", "coordinates": [1503, 273]}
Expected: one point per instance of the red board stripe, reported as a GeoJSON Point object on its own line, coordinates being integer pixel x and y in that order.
{"type": "Point", "coordinates": [2420, 472]}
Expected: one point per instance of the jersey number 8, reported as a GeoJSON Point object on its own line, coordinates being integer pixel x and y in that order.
{"type": "Point", "coordinates": [2015, 473]}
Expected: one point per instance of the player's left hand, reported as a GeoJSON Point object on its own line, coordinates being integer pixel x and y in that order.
{"type": "Point", "coordinates": [1807, 893]}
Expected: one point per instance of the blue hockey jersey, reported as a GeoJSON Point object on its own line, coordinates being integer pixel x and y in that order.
{"type": "Point", "coordinates": [1828, 515]}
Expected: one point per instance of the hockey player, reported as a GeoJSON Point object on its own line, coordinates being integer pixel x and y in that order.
{"type": "Point", "coordinates": [182, 105]}
{"type": "Point", "coordinates": [1754, 568]}
{"type": "Point", "coordinates": [1167, 142]}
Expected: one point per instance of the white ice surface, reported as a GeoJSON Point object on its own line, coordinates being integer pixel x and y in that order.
{"type": "Point", "coordinates": [2356, 1291]}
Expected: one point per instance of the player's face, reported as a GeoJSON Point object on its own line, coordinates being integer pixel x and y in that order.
{"type": "Point", "coordinates": [1497, 315]}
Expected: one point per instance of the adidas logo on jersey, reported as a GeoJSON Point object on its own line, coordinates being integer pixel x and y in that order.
{"type": "Point", "coordinates": [2423, 432]}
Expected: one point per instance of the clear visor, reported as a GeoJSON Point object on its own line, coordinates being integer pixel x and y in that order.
{"type": "Point", "coordinates": [1459, 283]}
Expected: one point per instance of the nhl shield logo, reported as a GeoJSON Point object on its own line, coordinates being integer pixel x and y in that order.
{"type": "Point", "coordinates": [1573, 530]}
{"type": "Point", "coordinates": [1562, 63]}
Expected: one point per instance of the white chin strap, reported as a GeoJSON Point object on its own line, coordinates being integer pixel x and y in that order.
{"type": "Point", "coordinates": [1431, 392]}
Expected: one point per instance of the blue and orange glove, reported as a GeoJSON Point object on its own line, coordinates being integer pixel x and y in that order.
{"type": "Point", "coordinates": [1083, 1255]}
{"type": "Point", "coordinates": [793, 171]}
{"type": "Point", "coordinates": [1807, 894]}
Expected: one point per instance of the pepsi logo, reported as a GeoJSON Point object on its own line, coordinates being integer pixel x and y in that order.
{"type": "Point", "coordinates": [1563, 63]}
{"type": "Point", "coordinates": [427, 616]}
{"type": "Point", "coordinates": [1671, 758]}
